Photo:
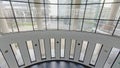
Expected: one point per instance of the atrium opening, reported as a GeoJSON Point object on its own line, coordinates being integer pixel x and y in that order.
{"type": "Point", "coordinates": [59, 33]}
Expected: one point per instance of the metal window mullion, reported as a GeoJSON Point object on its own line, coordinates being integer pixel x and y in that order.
{"type": "Point", "coordinates": [45, 15]}
{"type": "Point", "coordinates": [56, 18]}
{"type": "Point", "coordinates": [70, 14]}
{"type": "Point", "coordinates": [59, 18]}
{"type": "Point", "coordinates": [84, 16]}
{"type": "Point", "coordinates": [64, 4]}
{"type": "Point", "coordinates": [100, 16]}
{"type": "Point", "coordinates": [31, 14]}
{"type": "Point", "coordinates": [116, 26]}
{"type": "Point", "coordinates": [58, 15]}
{"type": "Point", "coordinates": [14, 15]}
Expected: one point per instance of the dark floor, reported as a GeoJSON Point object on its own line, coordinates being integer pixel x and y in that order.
{"type": "Point", "coordinates": [58, 64]}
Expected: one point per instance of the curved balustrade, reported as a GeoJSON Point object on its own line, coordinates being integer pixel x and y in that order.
{"type": "Point", "coordinates": [23, 49]}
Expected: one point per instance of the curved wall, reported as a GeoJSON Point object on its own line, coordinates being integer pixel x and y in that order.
{"type": "Point", "coordinates": [90, 49]}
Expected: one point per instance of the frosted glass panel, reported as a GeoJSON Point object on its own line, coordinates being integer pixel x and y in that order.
{"type": "Point", "coordinates": [110, 11]}
{"type": "Point", "coordinates": [39, 24]}
{"type": "Point", "coordinates": [42, 48]}
{"type": "Point", "coordinates": [93, 11]}
{"type": "Point", "coordinates": [17, 54]}
{"type": "Point", "coordinates": [89, 25]}
{"type": "Point", "coordinates": [3, 63]}
{"type": "Point", "coordinates": [108, 1]}
{"type": "Point", "coordinates": [25, 24]}
{"type": "Point", "coordinates": [64, 24]}
{"type": "Point", "coordinates": [78, 1]}
{"type": "Point", "coordinates": [117, 30]}
{"type": "Point", "coordinates": [5, 9]}
{"type": "Point", "coordinates": [51, 23]}
{"type": "Point", "coordinates": [78, 11]}
{"type": "Point", "coordinates": [38, 1]}
{"type": "Point", "coordinates": [65, 1]}
{"type": "Point", "coordinates": [106, 27]}
{"type": "Point", "coordinates": [62, 47]}
{"type": "Point", "coordinates": [51, 11]}
{"type": "Point", "coordinates": [52, 47]}
{"type": "Point", "coordinates": [76, 24]}
{"type": "Point", "coordinates": [83, 50]}
{"type": "Point", "coordinates": [18, 9]}
{"type": "Point", "coordinates": [8, 25]}
{"type": "Point", "coordinates": [51, 1]}
{"type": "Point", "coordinates": [20, 0]}
{"type": "Point", "coordinates": [64, 11]}
{"type": "Point", "coordinates": [96, 53]}
{"type": "Point", "coordinates": [95, 1]}
{"type": "Point", "coordinates": [72, 50]}
{"type": "Point", "coordinates": [37, 10]}
{"type": "Point", "coordinates": [31, 50]}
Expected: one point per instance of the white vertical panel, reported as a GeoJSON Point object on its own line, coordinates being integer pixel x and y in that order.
{"type": "Point", "coordinates": [83, 50]}
{"type": "Point", "coordinates": [42, 48]}
{"type": "Point", "coordinates": [17, 53]}
{"type": "Point", "coordinates": [89, 52]}
{"type": "Point", "coordinates": [103, 56]}
{"type": "Point", "coordinates": [52, 43]}
{"type": "Point", "coordinates": [31, 50]}
{"type": "Point", "coordinates": [72, 49]}
{"type": "Point", "coordinates": [3, 63]}
{"type": "Point", "coordinates": [24, 52]}
{"type": "Point", "coordinates": [96, 53]}
{"type": "Point", "coordinates": [62, 47]}
{"type": "Point", "coordinates": [113, 54]}
{"type": "Point", "coordinates": [117, 62]}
